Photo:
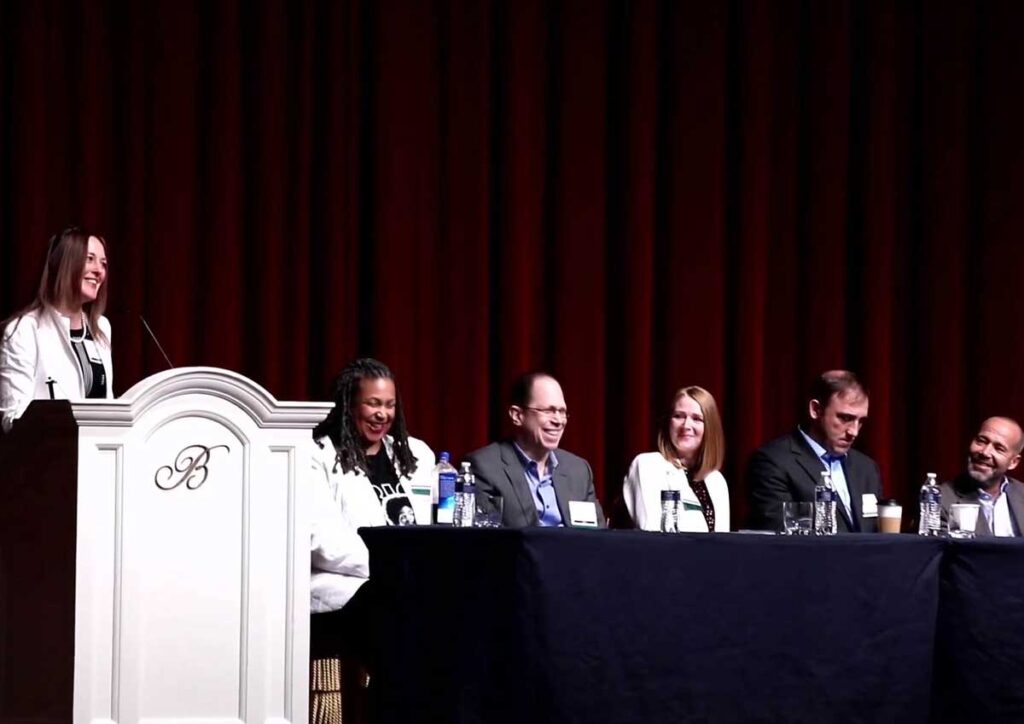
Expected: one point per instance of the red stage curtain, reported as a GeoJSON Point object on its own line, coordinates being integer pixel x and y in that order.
{"type": "Point", "coordinates": [635, 195]}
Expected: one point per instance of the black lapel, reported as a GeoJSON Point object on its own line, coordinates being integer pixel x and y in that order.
{"type": "Point", "coordinates": [856, 485]}
{"type": "Point", "coordinates": [806, 458]}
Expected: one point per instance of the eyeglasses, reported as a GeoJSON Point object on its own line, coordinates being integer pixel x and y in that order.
{"type": "Point", "coordinates": [551, 412]}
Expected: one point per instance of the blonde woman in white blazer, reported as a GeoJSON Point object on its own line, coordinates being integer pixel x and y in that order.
{"type": "Point", "coordinates": [59, 346]}
{"type": "Point", "coordinates": [691, 449]}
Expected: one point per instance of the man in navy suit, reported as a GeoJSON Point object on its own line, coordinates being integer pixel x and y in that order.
{"type": "Point", "coordinates": [789, 467]}
{"type": "Point", "coordinates": [536, 480]}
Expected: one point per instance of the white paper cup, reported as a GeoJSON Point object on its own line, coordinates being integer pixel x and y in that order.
{"type": "Point", "coordinates": [890, 517]}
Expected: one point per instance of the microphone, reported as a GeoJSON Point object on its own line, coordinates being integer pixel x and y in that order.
{"type": "Point", "coordinates": [159, 346]}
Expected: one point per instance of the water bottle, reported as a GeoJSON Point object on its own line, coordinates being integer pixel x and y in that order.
{"type": "Point", "coordinates": [931, 504]}
{"type": "Point", "coordinates": [669, 511]}
{"type": "Point", "coordinates": [465, 498]}
{"type": "Point", "coordinates": [444, 502]}
{"type": "Point", "coordinates": [825, 505]}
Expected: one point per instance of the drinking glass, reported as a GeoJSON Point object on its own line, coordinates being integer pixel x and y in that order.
{"type": "Point", "coordinates": [963, 519]}
{"type": "Point", "coordinates": [797, 518]}
{"type": "Point", "coordinates": [488, 510]}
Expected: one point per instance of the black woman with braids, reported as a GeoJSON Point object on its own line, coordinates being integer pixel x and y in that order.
{"type": "Point", "coordinates": [363, 465]}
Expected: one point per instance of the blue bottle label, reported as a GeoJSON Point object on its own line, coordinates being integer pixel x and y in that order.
{"type": "Point", "coordinates": [446, 497]}
{"type": "Point", "coordinates": [446, 485]}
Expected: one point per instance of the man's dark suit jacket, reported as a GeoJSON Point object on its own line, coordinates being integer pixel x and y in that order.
{"type": "Point", "coordinates": [787, 469]}
{"type": "Point", "coordinates": [964, 489]}
{"type": "Point", "coordinates": [499, 472]}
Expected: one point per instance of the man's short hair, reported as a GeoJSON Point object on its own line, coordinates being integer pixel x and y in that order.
{"type": "Point", "coordinates": [522, 387]}
{"type": "Point", "coordinates": [835, 382]}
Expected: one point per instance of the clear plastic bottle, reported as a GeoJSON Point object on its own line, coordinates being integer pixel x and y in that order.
{"type": "Point", "coordinates": [445, 475]}
{"type": "Point", "coordinates": [465, 498]}
{"type": "Point", "coordinates": [670, 511]}
{"type": "Point", "coordinates": [931, 506]}
{"type": "Point", "coordinates": [825, 505]}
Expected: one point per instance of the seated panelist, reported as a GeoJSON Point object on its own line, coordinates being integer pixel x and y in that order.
{"type": "Point", "coordinates": [363, 463]}
{"type": "Point", "coordinates": [691, 449]}
{"type": "Point", "coordinates": [993, 453]}
{"type": "Point", "coordinates": [58, 347]}
{"type": "Point", "coordinates": [540, 483]}
{"type": "Point", "coordinates": [787, 468]}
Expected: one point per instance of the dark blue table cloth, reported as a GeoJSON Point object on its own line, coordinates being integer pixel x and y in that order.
{"type": "Point", "coordinates": [979, 664]}
{"type": "Point", "coordinates": [556, 625]}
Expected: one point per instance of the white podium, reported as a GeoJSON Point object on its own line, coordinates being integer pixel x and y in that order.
{"type": "Point", "coordinates": [191, 556]}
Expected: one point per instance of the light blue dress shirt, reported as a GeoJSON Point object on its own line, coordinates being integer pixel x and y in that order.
{"type": "Point", "coordinates": [834, 464]}
{"type": "Point", "coordinates": [542, 489]}
{"type": "Point", "coordinates": [996, 510]}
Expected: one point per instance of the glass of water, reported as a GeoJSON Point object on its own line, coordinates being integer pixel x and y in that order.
{"type": "Point", "coordinates": [797, 518]}
{"type": "Point", "coordinates": [963, 520]}
{"type": "Point", "coordinates": [488, 510]}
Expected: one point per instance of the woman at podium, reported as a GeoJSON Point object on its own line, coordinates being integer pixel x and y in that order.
{"type": "Point", "coordinates": [363, 466]}
{"type": "Point", "coordinates": [691, 449]}
{"type": "Point", "coordinates": [58, 347]}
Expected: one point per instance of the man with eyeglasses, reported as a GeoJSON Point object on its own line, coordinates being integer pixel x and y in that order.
{"type": "Point", "coordinates": [536, 480]}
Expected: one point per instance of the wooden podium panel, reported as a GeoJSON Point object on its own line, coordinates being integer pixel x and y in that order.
{"type": "Point", "coordinates": [189, 554]}
{"type": "Point", "coordinates": [38, 503]}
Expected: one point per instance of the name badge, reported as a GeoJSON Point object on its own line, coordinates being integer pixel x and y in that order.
{"type": "Point", "coordinates": [583, 513]}
{"type": "Point", "coordinates": [869, 505]}
{"type": "Point", "coordinates": [92, 351]}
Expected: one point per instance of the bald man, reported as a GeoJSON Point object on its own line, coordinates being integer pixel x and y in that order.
{"type": "Point", "coordinates": [994, 451]}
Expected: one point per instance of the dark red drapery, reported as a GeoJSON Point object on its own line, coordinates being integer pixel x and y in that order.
{"type": "Point", "coordinates": [636, 195]}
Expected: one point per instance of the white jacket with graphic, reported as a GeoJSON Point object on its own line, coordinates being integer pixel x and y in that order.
{"type": "Point", "coordinates": [341, 504]}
